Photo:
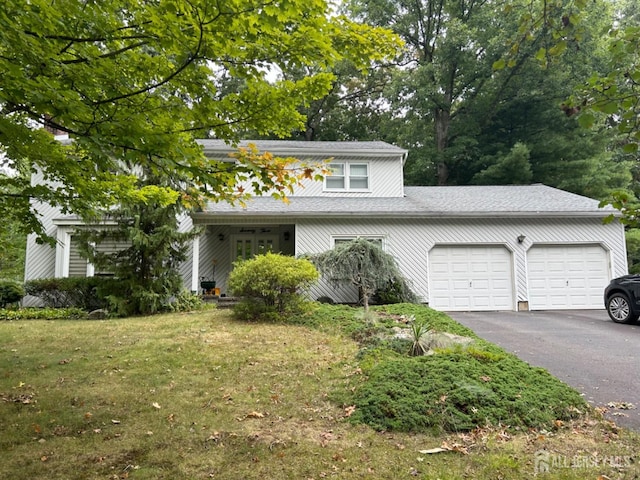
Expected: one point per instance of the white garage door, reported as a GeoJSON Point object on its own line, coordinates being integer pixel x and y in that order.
{"type": "Point", "coordinates": [566, 277]}
{"type": "Point", "coordinates": [470, 278]}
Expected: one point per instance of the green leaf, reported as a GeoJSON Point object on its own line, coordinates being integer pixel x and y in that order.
{"type": "Point", "coordinates": [499, 64]}
{"type": "Point", "coordinates": [586, 120]}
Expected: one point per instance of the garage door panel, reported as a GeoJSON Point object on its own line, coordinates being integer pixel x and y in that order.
{"type": "Point", "coordinates": [567, 276]}
{"type": "Point", "coordinates": [478, 278]}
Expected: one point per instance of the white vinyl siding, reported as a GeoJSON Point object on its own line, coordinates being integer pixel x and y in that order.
{"type": "Point", "coordinates": [567, 276]}
{"type": "Point", "coordinates": [471, 278]}
{"type": "Point", "coordinates": [349, 176]}
{"type": "Point", "coordinates": [77, 264]}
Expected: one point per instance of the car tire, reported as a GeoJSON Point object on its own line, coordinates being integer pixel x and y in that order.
{"type": "Point", "coordinates": [619, 309]}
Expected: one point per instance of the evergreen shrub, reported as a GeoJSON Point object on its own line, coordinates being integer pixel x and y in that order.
{"type": "Point", "coordinates": [10, 292]}
{"type": "Point", "coordinates": [271, 286]}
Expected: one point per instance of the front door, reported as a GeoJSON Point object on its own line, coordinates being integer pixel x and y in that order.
{"type": "Point", "coordinates": [247, 246]}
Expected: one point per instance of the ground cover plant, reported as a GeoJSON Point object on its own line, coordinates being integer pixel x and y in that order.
{"type": "Point", "coordinates": [200, 395]}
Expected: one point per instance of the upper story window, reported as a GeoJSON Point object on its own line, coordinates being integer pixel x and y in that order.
{"type": "Point", "coordinates": [347, 176]}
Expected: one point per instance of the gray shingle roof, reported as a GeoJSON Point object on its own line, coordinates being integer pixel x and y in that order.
{"type": "Point", "coordinates": [288, 147]}
{"type": "Point", "coordinates": [472, 201]}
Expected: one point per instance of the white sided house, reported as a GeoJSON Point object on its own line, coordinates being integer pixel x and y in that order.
{"type": "Point", "coordinates": [528, 247]}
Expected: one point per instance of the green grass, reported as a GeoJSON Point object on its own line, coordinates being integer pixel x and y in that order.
{"type": "Point", "coordinates": [196, 396]}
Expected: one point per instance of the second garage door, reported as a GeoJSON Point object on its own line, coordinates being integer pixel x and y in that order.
{"type": "Point", "coordinates": [470, 278]}
{"type": "Point", "coordinates": [567, 276]}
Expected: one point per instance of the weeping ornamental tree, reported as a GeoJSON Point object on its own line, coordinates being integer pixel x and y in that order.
{"type": "Point", "coordinates": [364, 264]}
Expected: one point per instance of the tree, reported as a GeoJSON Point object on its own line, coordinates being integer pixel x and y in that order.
{"type": "Point", "coordinates": [133, 82]}
{"type": "Point", "coordinates": [451, 48]}
{"type": "Point", "coordinates": [477, 81]}
{"type": "Point", "coordinates": [510, 169]}
{"type": "Point", "coordinates": [364, 264]}
{"type": "Point", "coordinates": [147, 268]}
{"type": "Point", "coordinates": [13, 241]}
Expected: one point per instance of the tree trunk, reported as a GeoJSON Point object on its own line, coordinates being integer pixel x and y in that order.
{"type": "Point", "coordinates": [442, 120]}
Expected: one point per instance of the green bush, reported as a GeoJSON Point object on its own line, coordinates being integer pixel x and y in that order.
{"type": "Point", "coordinates": [459, 392]}
{"type": "Point", "coordinates": [396, 291]}
{"type": "Point", "coordinates": [271, 285]}
{"type": "Point", "coordinates": [87, 293]}
{"type": "Point", "coordinates": [10, 292]}
{"type": "Point", "coordinates": [186, 302]}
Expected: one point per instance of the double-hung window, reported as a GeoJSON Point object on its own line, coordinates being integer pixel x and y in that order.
{"type": "Point", "coordinates": [349, 176]}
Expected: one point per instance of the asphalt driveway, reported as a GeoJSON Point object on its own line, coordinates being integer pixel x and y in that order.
{"type": "Point", "coordinates": [583, 348]}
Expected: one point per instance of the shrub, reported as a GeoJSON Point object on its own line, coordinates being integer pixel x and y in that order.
{"type": "Point", "coordinates": [186, 302]}
{"type": "Point", "coordinates": [270, 285]}
{"type": "Point", "coordinates": [459, 392]}
{"type": "Point", "coordinates": [87, 293]}
{"type": "Point", "coordinates": [10, 292]}
{"type": "Point", "coordinates": [396, 291]}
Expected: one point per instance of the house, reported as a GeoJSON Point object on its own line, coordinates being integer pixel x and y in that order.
{"type": "Point", "coordinates": [529, 247]}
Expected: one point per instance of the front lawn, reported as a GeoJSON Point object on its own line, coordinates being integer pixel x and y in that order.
{"type": "Point", "coordinates": [195, 396]}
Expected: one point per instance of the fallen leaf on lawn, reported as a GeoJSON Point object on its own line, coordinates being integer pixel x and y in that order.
{"type": "Point", "coordinates": [446, 447]}
{"type": "Point", "coordinates": [156, 405]}
{"type": "Point", "coordinates": [325, 437]}
{"type": "Point", "coordinates": [485, 378]}
{"type": "Point", "coordinates": [64, 361]}
{"type": "Point", "coordinates": [433, 450]}
{"type": "Point", "coordinates": [348, 411]}
{"type": "Point", "coordinates": [254, 415]}
{"type": "Point", "coordinates": [115, 422]}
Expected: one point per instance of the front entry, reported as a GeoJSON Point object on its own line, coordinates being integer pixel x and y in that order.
{"type": "Point", "coordinates": [247, 246]}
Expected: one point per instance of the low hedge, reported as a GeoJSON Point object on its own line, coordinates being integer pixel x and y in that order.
{"type": "Point", "coordinates": [80, 292]}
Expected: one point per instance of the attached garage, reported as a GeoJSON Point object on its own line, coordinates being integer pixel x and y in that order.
{"type": "Point", "coordinates": [567, 276]}
{"type": "Point", "coordinates": [471, 277]}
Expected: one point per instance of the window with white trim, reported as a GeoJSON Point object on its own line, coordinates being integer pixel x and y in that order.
{"type": "Point", "coordinates": [347, 176]}
{"type": "Point", "coordinates": [339, 239]}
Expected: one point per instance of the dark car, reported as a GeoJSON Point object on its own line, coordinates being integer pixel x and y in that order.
{"type": "Point", "coordinates": [622, 299]}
